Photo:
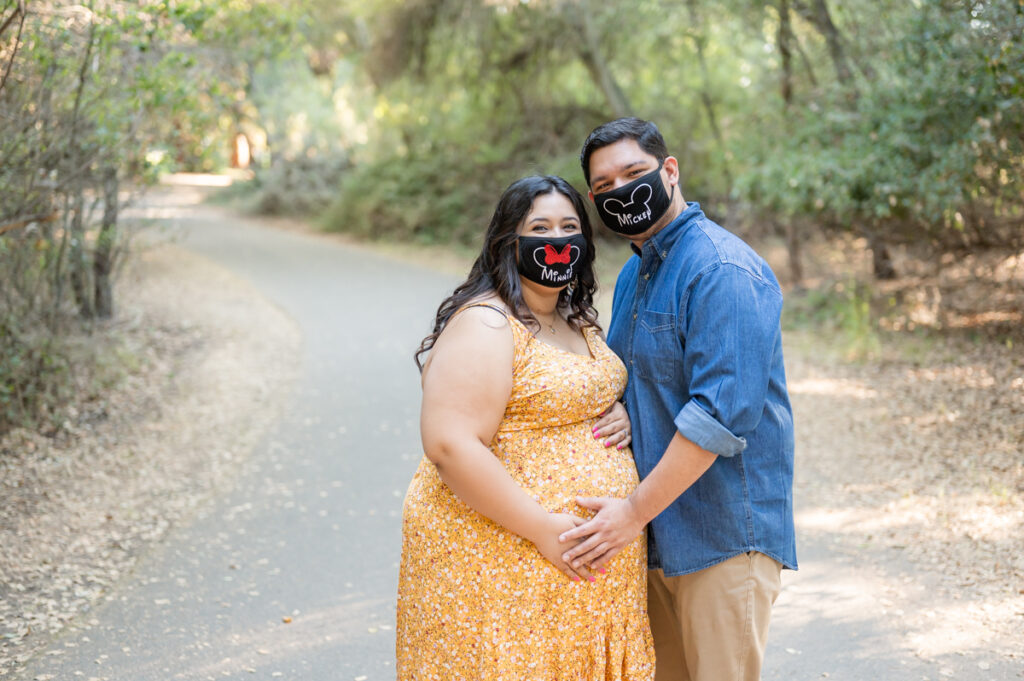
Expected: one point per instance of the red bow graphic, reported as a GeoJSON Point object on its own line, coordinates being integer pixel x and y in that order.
{"type": "Point", "coordinates": [552, 256]}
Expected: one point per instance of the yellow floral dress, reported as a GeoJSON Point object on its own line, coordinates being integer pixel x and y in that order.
{"type": "Point", "coordinates": [476, 601]}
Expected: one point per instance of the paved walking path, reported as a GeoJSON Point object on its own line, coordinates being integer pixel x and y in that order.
{"type": "Point", "coordinates": [292, 574]}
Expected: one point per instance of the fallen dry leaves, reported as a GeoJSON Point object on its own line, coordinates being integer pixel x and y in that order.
{"type": "Point", "coordinates": [212, 362]}
{"type": "Point", "coordinates": [918, 456]}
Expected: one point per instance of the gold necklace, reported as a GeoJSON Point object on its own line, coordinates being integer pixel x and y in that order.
{"type": "Point", "coordinates": [551, 324]}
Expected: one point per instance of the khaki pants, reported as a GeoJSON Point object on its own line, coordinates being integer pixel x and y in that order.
{"type": "Point", "coordinates": [712, 625]}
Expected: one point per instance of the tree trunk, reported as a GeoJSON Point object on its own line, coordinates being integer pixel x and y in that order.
{"type": "Point", "coordinates": [821, 19]}
{"type": "Point", "coordinates": [705, 90]}
{"type": "Point", "coordinates": [589, 50]}
{"type": "Point", "coordinates": [785, 40]}
{"type": "Point", "coordinates": [834, 40]}
{"type": "Point", "coordinates": [79, 261]}
{"type": "Point", "coordinates": [806, 62]}
{"type": "Point", "coordinates": [881, 259]}
{"type": "Point", "coordinates": [794, 242]}
{"type": "Point", "coordinates": [103, 259]}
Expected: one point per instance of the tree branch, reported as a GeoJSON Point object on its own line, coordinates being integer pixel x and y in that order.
{"type": "Point", "coordinates": [20, 11]}
{"type": "Point", "coordinates": [26, 221]}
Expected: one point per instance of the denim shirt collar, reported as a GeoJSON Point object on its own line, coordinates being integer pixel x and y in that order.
{"type": "Point", "coordinates": [661, 243]}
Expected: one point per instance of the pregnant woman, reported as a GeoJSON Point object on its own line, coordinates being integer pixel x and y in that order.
{"type": "Point", "coordinates": [519, 417]}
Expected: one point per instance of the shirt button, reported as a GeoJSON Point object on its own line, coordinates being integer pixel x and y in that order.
{"type": "Point", "coordinates": [647, 275]}
{"type": "Point", "coordinates": [664, 254]}
{"type": "Point", "coordinates": [634, 315]}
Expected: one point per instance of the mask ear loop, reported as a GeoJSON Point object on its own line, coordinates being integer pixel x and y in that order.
{"type": "Point", "coordinates": [672, 193]}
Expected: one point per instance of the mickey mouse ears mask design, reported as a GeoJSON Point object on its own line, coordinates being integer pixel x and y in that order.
{"type": "Point", "coordinates": [634, 208]}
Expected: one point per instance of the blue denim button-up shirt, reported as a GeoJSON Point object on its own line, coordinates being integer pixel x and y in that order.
{"type": "Point", "coordinates": [695, 317]}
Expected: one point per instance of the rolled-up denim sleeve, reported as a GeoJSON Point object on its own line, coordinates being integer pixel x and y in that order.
{"type": "Point", "coordinates": [731, 326]}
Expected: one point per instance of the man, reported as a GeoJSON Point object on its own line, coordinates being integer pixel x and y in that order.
{"type": "Point", "coordinates": [695, 317]}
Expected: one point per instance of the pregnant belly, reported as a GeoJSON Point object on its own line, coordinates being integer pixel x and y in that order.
{"type": "Point", "coordinates": [557, 464]}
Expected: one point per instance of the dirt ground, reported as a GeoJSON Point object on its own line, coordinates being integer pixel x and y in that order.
{"type": "Point", "coordinates": [913, 454]}
{"type": "Point", "coordinates": [210, 363]}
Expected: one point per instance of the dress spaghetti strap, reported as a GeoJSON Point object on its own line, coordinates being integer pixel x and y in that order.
{"type": "Point", "coordinates": [481, 304]}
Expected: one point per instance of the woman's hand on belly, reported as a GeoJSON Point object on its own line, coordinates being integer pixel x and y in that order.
{"type": "Point", "coordinates": [549, 545]}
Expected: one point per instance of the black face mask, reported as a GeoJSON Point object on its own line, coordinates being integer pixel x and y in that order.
{"type": "Point", "coordinates": [634, 208]}
{"type": "Point", "coordinates": [551, 261]}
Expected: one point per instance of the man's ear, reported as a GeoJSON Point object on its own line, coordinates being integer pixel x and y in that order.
{"type": "Point", "coordinates": [672, 169]}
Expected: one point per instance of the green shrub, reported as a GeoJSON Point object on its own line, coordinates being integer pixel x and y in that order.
{"type": "Point", "coordinates": [446, 197]}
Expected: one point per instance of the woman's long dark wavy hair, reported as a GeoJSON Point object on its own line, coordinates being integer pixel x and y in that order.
{"type": "Point", "coordinates": [495, 269]}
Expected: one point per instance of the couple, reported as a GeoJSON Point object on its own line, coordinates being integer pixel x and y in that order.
{"type": "Point", "coordinates": [524, 555]}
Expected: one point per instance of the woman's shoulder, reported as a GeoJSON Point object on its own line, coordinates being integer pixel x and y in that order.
{"type": "Point", "coordinates": [475, 333]}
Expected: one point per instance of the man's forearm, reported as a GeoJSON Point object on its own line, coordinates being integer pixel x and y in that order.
{"type": "Point", "coordinates": [681, 465]}
{"type": "Point", "coordinates": [620, 521]}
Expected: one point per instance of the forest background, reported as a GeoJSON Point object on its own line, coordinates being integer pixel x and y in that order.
{"type": "Point", "coordinates": [895, 127]}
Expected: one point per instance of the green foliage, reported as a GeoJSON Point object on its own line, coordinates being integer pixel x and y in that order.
{"type": "Point", "coordinates": [905, 121]}
{"type": "Point", "coordinates": [305, 186]}
{"type": "Point", "coordinates": [404, 120]}
{"type": "Point", "coordinates": [929, 148]}
{"type": "Point", "coordinates": [428, 199]}
{"type": "Point", "coordinates": [87, 92]}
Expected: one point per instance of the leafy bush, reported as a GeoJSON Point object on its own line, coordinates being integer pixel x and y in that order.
{"type": "Point", "coordinates": [446, 197]}
{"type": "Point", "coordinates": [928, 149]}
{"type": "Point", "coordinates": [303, 186]}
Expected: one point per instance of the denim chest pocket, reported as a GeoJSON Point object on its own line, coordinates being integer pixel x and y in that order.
{"type": "Point", "coordinates": [657, 348]}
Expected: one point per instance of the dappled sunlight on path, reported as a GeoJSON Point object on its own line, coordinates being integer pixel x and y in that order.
{"type": "Point", "coordinates": [909, 497]}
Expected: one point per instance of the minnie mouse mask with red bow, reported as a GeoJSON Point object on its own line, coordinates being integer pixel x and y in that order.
{"type": "Point", "coordinates": [549, 261]}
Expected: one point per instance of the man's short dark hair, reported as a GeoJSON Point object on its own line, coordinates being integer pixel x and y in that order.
{"type": "Point", "coordinates": [644, 132]}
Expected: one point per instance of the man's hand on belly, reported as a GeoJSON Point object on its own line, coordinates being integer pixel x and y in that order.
{"type": "Point", "coordinates": [616, 524]}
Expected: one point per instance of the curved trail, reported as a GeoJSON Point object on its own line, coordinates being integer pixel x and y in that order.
{"type": "Point", "coordinates": [292, 574]}
{"type": "Point", "coordinates": [310, 531]}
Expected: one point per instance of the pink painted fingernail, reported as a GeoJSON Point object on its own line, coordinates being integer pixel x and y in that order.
{"type": "Point", "coordinates": [593, 578]}
{"type": "Point", "coordinates": [619, 447]}
{"type": "Point", "coordinates": [601, 570]}
{"type": "Point", "coordinates": [575, 579]}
